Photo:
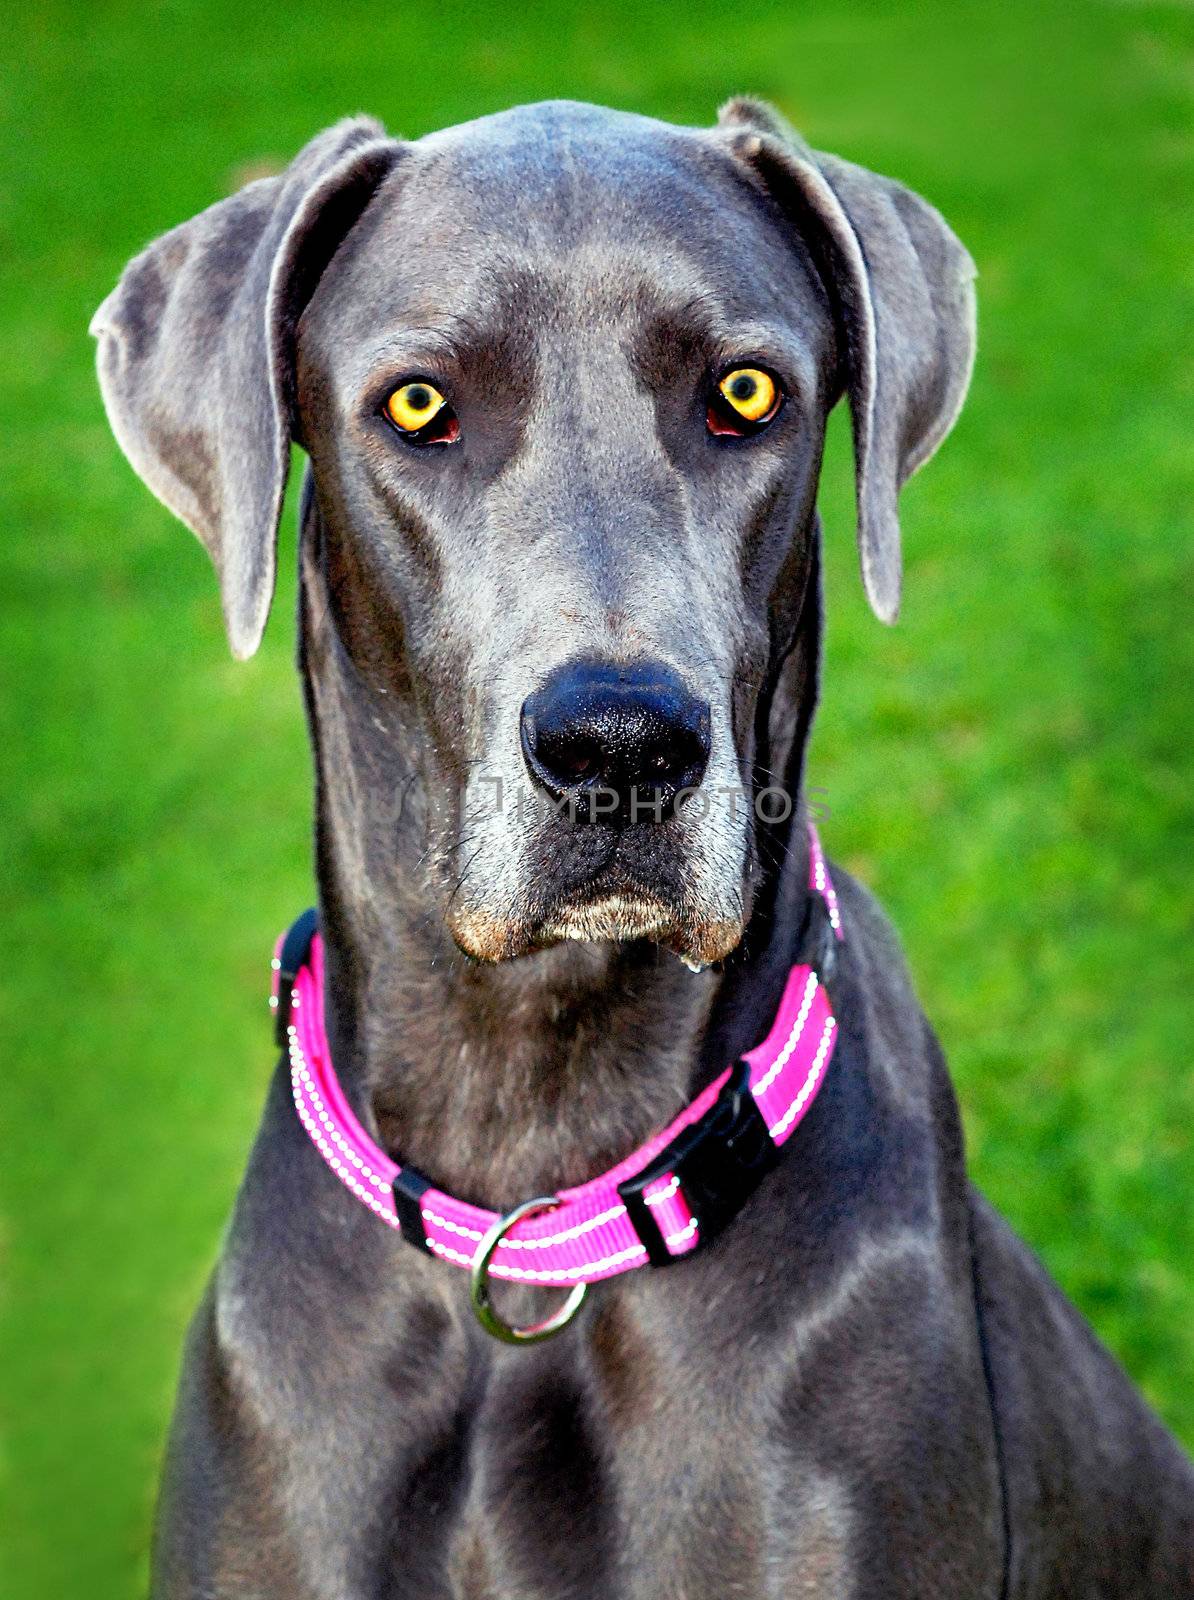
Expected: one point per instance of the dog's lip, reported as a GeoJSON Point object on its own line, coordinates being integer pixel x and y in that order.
{"type": "Point", "coordinates": [617, 906]}
{"type": "Point", "coordinates": [596, 918]}
{"type": "Point", "coordinates": [612, 882]}
{"type": "Point", "coordinates": [601, 894]}
{"type": "Point", "coordinates": [612, 915]}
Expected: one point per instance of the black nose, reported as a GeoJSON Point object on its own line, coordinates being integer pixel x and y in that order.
{"type": "Point", "coordinates": [618, 743]}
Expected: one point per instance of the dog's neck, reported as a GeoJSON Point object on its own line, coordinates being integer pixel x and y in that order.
{"type": "Point", "coordinates": [500, 1082]}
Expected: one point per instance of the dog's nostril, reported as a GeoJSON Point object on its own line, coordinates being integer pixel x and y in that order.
{"type": "Point", "coordinates": [619, 743]}
{"type": "Point", "coordinates": [581, 764]}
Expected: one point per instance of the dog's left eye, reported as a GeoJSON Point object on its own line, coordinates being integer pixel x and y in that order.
{"type": "Point", "coordinates": [420, 412]}
{"type": "Point", "coordinates": [745, 400]}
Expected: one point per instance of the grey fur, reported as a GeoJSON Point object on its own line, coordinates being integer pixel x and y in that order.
{"type": "Point", "coordinates": [867, 1387]}
{"type": "Point", "coordinates": [905, 286]}
{"type": "Point", "coordinates": [196, 358]}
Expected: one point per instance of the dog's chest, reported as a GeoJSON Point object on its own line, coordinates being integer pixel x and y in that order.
{"type": "Point", "coordinates": [672, 1541]}
{"type": "Point", "coordinates": [639, 1490]}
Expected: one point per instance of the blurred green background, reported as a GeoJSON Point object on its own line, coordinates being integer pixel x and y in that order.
{"type": "Point", "coordinates": [1009, 768]}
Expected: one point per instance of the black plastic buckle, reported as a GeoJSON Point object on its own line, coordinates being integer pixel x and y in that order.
{"type": "Point", "coordinates": [719, 1159]}
{"type": "Point", "coordinates": [296, 947]}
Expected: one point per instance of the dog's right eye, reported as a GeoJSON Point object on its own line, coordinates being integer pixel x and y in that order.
{"type": "Point", "coordinates": [743, 402]}
{"type": "Point", "coordinates": [421, 414]}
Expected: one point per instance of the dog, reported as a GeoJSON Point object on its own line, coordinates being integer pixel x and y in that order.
{"type": "Point", "coordinates": [562, 376]}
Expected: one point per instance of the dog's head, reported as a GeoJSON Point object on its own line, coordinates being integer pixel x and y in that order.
{"type": "Point", "coordinates": [562, 376]}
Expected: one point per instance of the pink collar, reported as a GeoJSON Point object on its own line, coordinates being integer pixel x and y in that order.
{"type": "Point", "coordinates": [673, 1194]}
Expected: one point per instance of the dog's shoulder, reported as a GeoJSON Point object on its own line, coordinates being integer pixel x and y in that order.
{"type": "Point", "coordinates": [1128, 1517]}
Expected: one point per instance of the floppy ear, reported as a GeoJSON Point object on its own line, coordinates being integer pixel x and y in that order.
{"type": "Point", "coordinates": [902, 285]}
{"type": "Point", "coordinates": [196, 354]}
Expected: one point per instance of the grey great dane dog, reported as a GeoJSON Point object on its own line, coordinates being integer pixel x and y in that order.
{"type": "Point", "coordinates": [866, 1386]}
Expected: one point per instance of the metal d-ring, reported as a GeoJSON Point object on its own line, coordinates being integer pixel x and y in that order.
{"type": "Point", "coordinates": [479, 1283]}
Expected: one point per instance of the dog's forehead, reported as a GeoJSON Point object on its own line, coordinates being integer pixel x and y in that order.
{"type": "Point", "coordinates": [559, 168]}
{"type": "Point", "coordinates": [567, 210]}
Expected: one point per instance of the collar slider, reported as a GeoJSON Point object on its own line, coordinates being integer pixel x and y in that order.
{"type": "Point", "coordinates": [718, 1162]}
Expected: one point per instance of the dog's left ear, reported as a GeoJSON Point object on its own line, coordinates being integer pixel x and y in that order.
{"type": "Point", "coordinates": [902, 285]}
{"type": "Point", "coordinates": [196, 354]}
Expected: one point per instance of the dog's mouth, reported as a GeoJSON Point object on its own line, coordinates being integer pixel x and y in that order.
{"type": "Point", "coordinates": [612, 918]}
{"type": "Point", "coordinates": [621, 917]}
{"type": "Point", "coordinates": [599, 891]}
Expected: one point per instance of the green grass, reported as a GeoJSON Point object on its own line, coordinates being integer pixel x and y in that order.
{"type": "Point", "coordinates": [1009, 768]}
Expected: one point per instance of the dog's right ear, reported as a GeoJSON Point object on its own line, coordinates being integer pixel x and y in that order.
{"type": "Point", "coordinates": [902, 285]}
{"type": "Point", "coordinates": [196, 354]}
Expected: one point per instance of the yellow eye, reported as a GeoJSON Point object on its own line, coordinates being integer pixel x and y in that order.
{"type": "Point", "coordinates": [750, 392]}
{"type": "Point", "coordinates": [414, 405]}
